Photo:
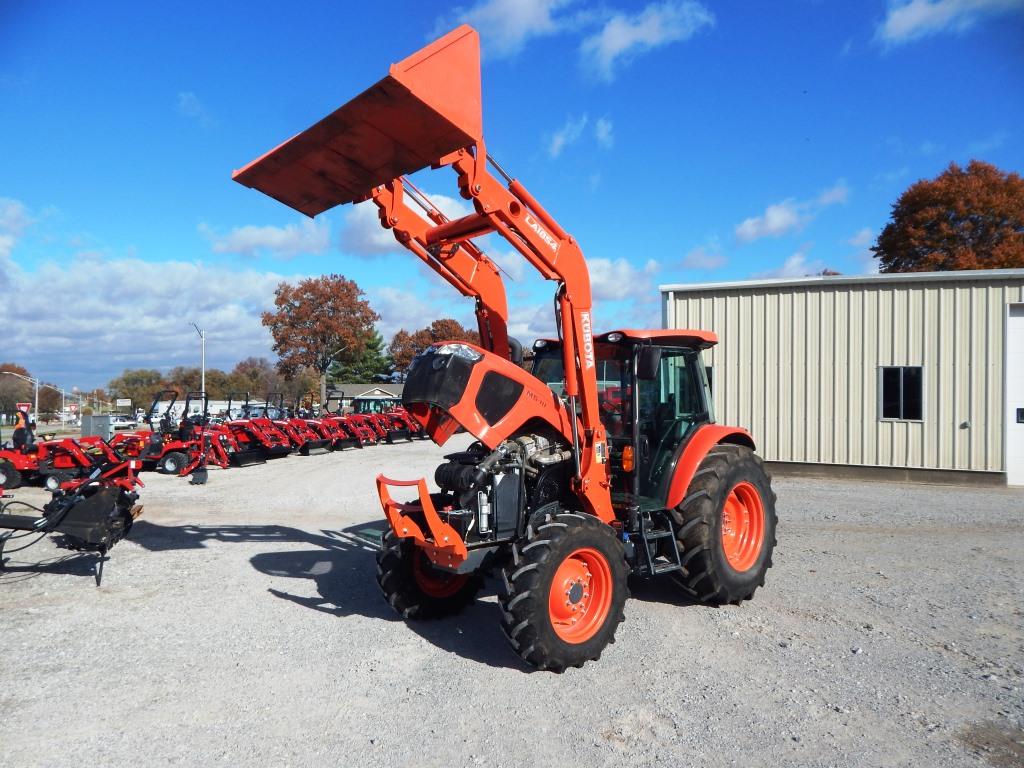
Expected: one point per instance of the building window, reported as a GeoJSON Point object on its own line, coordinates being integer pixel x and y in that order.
{"type": "Point", "coordinates": [901, 393]}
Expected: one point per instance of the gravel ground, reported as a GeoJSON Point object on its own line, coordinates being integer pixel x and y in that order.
{"type": "Point", "coordinates": [241, 625]}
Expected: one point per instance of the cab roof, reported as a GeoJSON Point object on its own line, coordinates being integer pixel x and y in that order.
{"type": "Point", "coordinates": [679, 337]}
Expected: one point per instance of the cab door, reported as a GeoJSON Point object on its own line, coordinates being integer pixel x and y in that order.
{"type": "Point", "coordinates": [670, 406]}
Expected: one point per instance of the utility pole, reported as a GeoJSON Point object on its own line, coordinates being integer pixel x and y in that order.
{"type": "Point", "coordinates": [202, 364]}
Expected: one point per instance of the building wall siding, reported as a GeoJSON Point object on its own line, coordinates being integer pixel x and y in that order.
{"type": "Point", "coordinates": [799, 366]}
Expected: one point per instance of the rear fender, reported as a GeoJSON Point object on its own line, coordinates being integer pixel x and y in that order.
{"type": "Point", "coordinates": [697, 447]}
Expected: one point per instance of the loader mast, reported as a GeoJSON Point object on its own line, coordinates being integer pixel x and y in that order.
{"type": "Point", "coordinates": [427, 112]}
{"type": "Point", "coordinates": [512, 212]}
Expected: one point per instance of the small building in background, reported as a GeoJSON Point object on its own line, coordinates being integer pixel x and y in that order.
{"type": "Point", "coordinates": [921, 374]}
{"type": "Point", "coordinates": [349, 391]}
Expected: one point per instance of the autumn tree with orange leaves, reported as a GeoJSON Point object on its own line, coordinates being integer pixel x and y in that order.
{"type": "Point", "coordinates": [969, 218]}
{"type": "Point", "coordinates": [405, 345]}
{"type": "Point", "coordinates": [318, 321]}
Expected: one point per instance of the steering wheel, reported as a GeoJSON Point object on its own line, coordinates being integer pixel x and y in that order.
{"type": "Point", "coordinates": [664, 456]}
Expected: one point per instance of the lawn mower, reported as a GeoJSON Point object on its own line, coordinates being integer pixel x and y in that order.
{"type": "Point", "coordinates": [51, 461]}
{"type": "Point", "coordinates": [565, 493]}
{"type": "Point", "coordinates": [91, 513]}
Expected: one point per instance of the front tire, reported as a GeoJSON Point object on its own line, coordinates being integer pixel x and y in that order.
{"type": "Point", "coordinates": [725, 527]}
{"type": "Point", "coordinates": [565, 591]}
{"type": "Point", "coordinates": [172, 463]}
{"type": "Point", "coordinates": [415, 588]}
{"type": "Point", "coordinates": [10, 478]}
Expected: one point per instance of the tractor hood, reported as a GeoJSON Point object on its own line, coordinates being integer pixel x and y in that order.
{"type": "Point", "coordinates": [453, 384]}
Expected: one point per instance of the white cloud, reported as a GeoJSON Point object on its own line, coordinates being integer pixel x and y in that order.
{"type": "Point", "coordinates": [910, 20]}
{"type": "Point", "coordinates": [706, 257]}
{"type": "Point", "coordinates": [363, 235]}
{"type": "Point", "coordinates": [797, 265]}
{"type": "Point", "coordinates": [988, 144]}
{"type": "Point", "coordinates": [624, 36]}
{"type": "Point", "coordinates": [284, 242]}
{"type": "Point", "coordinates": [511, 263]}
{"type": "Point", "coordinates": [14, 216]}
{"type": "Point", "coordinates": [862, 238]}
{"type": "Point", "coordinates": [6, 246]}
{"type": "Point", "coordinates": [603, 132]}
{"type": "Point", "coordinates": [529, 322]}
{"type": "Point", "coordinates": [616, 279]}
{"type": "Point", "coordinates": [507, 25]}
{"type": "Point", "coordinates": [891, 177]}
{"type": "Point", "coordinates": [777, 220]}
{"type": "Point", "coordinates": [837, 193]}
{"type": "Point", "coordinates": [189, 105]}
{"type": "Point", "coordinates": [403, 309]}
{"type": "Point", "coordinates": [566, 135]}
{"type": "Point", "coordinates": [790, 215]}
{"type": "Point", "coordinates": [135, 314]}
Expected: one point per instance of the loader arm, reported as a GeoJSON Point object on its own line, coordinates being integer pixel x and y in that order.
{"type": "Point", "coordinates": [465, 266]}
{"type": "Point", "coordinates": [427, 112]}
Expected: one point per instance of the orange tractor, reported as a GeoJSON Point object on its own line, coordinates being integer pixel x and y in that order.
{"type": "Point", "coordinates": [603, 462]}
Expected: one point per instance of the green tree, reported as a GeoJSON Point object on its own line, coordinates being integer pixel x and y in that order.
{"type": "Point", "coordinates": [969, 218]}
{"type": "Point", "coordinates": [372, 363]}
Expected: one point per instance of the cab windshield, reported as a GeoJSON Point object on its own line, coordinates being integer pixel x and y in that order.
{"type": "Point", "coordinates": [667, 409]}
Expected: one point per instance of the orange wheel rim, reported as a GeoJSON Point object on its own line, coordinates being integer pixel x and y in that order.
{"type": "Point", "coordinates": [435, 583]}
{"type": "Point", "coordinates": [581, 595]}
{"type": "Point", "coordinates": [743, 526]}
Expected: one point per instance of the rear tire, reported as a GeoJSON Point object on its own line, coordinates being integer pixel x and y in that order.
{"type": "Point", "coordinates": [171, 463]}
{"type": "Point", "coordinates": [10, 478]}
{"type": "Point", "coordinates": [725, 527]}
{"type": "Point", "coordinates": [415, 588]}
{"type": "Point", "coordinates": [565, 591]}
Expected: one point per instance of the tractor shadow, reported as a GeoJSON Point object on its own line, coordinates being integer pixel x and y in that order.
{"type": "Point", "coordinates": [13, 569]}
{"type": "Point", "coordinates": [660, 589]}
{"type": "Point", "coordinates": [342, 568]}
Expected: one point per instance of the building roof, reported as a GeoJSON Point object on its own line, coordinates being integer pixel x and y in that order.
{"type": "Point", "coordinates": [824, 281]}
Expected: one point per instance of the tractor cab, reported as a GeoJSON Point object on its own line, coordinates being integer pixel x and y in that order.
{"type": "Point", "coordinates": [653, 394]}
{"type": "Point", "coordinates": [375, 404]}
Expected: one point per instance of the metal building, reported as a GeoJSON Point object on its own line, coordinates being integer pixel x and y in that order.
{"type": "Point", "coordinates": [914, 372]}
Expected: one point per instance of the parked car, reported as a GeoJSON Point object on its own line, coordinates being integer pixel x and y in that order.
{"type": "Point", "coordinates": [120, 421]}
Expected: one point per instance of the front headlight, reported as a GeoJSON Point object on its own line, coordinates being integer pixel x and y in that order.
{"type": "Point", "coordinates": [459, 350]}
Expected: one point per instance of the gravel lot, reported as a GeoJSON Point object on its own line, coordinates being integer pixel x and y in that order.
{"type": "Point", "coordinates": [241, 625]}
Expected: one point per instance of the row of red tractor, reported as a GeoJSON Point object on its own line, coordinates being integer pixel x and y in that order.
{"type": "Point", "coordinates": [188, 443]}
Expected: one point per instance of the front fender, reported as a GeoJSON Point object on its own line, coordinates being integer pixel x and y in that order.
{"type": "Point", "coordinates": [697, 447]}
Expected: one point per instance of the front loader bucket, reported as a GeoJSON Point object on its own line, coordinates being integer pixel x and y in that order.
{"type": "Point", "coordinates": [248, 457]}
{"type": "Point", "coordinates": [315, 447]}
{"type": "Point", "coordinates": [427, 107]}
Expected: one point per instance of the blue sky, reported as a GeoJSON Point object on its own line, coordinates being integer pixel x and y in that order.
{"type": "Point", "coordinates": [680, 141]}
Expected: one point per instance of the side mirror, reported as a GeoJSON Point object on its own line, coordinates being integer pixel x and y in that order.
{"type": "Point", "coordinates": [648, 363]}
